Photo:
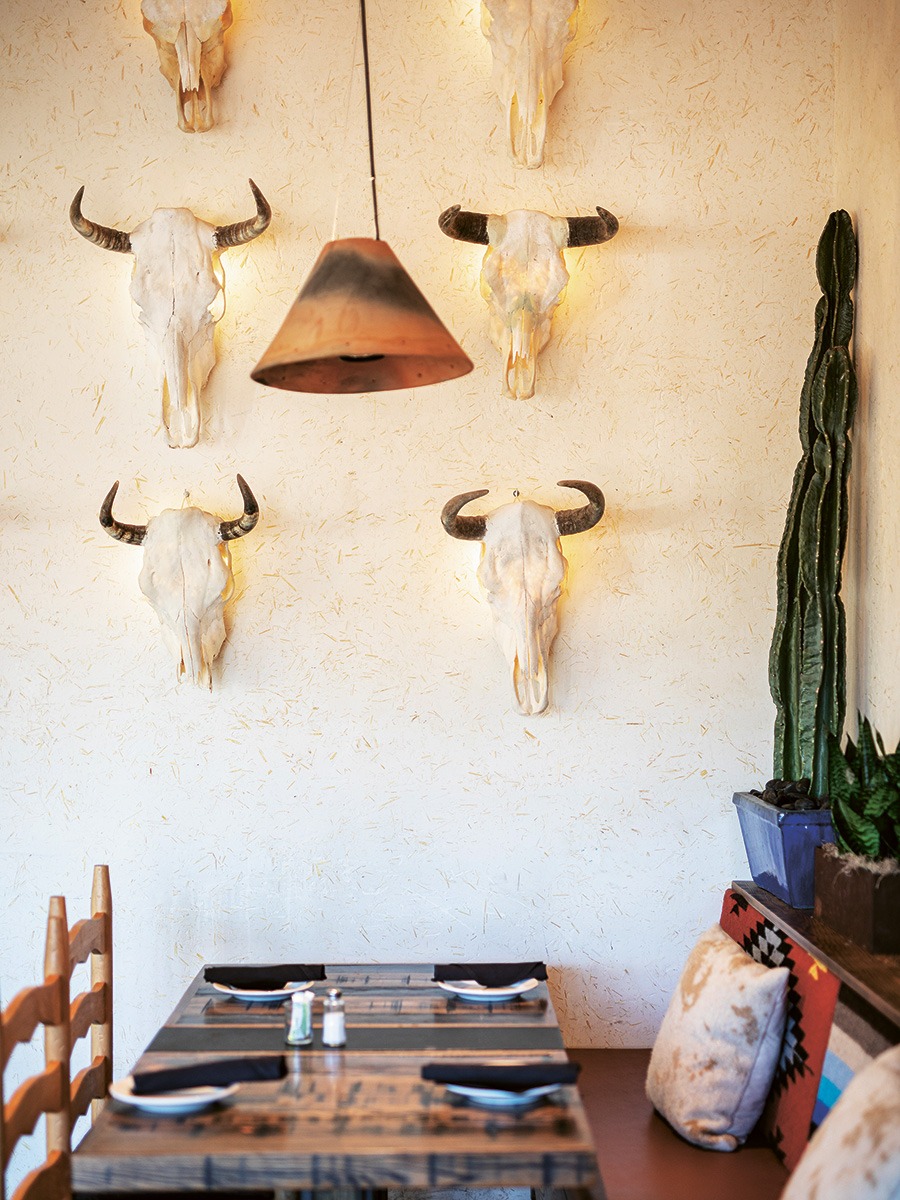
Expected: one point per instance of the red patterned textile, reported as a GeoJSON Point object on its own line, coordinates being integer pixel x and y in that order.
{"type": "Point", "coordinates": [787, 1121]}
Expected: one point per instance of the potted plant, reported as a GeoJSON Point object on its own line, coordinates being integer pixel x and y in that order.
{"type": "Point", "coordinates": [807, 659]}
{"type": "Point", "coordinates": [857, 880]}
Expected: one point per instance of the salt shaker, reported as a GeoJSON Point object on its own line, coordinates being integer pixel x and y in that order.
{"type": "Point", "coordinates": [298, 1020]}
{"type": "Point", "coordinates": [334, 1025]}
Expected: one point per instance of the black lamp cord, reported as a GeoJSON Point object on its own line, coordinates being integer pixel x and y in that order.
{"type": "Point", "coordinates": [365, 46]}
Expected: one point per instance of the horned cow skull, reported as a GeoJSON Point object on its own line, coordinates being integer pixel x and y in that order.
{"type": "Point", "coordinates": [522, 571]}
{"type": "Point", "coordinates": [523, 277]}
{"type": "Point", "coordinates": [177, 280]}
{"type": "Point", "coordinates": [190, 38]}
{"type": "Point", "coordinates": [186, 575]}
{"type": "Point", "coordinates": [528, 39]}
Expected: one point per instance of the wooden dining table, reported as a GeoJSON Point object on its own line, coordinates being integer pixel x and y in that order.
{"type": "Point", "coordinates": [360, 1117]}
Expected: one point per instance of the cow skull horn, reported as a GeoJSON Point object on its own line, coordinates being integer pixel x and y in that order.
{"type": "Point", "coordinates": [245, 231]}
{"type": "Point", "coordinates": [229, 530]}
{"type": "Point", "coordinates": [464, 226]}
{"type": "Point", "coordinates": [133, 534]}
{"type": "Point", "coordinates": [579, 520]}
{"type": "Point", "coordinates": [468, 529]}
{"type": "Point", "coordinates": [591, 231]}
{"type": "Point", "coordinates": [100, 235]}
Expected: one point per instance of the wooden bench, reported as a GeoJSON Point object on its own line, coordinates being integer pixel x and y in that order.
{"type": "Point", "coordinates": [642, 1158]}
{"type": "Point", "coordinates": [841, 999]}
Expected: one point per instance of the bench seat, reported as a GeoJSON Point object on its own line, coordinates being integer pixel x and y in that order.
{"type": "Point", "coordinates": [642, 1158]}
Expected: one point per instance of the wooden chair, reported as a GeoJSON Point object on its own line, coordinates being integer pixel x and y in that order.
{"type": "Point", "coordinates": [89, 1011]}
{"type": "Point", "coordinates": [46, 1093]}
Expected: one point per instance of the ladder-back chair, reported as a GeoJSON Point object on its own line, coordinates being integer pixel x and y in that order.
{"type": "Point", "coordinates": [46, 1093]}
{"type": "Point", "coordinates": [89, 1011]}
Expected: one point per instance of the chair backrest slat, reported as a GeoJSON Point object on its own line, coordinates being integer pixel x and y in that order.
{"type": "Point", "coordinates": [85, 938]}
{"type": "Point", "coordinates": [50, 1181]}
{"type": "Point", "coordinates": [33, 1006]}
{"type": "Point", "coordinates": [32, 1099]}
{"type": "Point", "coordinates": [87, 1009]}
{"type": "Point", "coordinates": [88, 1085]}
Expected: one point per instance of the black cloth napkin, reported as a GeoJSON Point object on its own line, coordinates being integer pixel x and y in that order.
{"type": "Point", "coordinates": [264, 979]}
{"type": "Point", "coordinates": [208, 1074]}
{"type": "Point", "coordinates": [507, 1079]}
{"type": "Point", "coordinates": [489, 974]}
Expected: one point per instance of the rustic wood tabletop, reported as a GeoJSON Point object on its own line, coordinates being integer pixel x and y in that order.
{"type": "Point", "coordinates": [358, 1117]}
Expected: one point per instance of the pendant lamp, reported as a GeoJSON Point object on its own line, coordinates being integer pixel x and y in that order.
{"type": "Point", "coordinates": [360, 324]}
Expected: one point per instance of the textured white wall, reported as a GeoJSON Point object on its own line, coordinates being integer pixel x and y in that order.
{"type": "Point", "coordinates": [358, 786]}
{"type": "Point", "coordinates": [867, 184]}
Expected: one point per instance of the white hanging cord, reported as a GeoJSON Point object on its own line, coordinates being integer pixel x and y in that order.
{"type": "Point", "coordinates": [343, 157]}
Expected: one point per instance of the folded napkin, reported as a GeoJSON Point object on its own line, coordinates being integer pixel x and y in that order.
{"type": "Point", "coordinates": [208, 1074]}
{"type": "Point", "coordinates": [507, 1079]}
{"type": "Point", "coordinates": [264, 979]}
{"type": "Point", "coordinates": [489, 974]}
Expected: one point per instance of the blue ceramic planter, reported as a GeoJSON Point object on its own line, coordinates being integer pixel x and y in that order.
{"type": "Point", "coordinates": [781, 847]}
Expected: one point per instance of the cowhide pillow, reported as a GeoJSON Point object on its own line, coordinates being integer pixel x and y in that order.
{"type": "Point", "coordinates": [716, 1052]}
{"type": "Point", "coordinates": [855, 1152]}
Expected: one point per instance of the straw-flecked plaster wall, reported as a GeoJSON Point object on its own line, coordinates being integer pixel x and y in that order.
{"type": "Point", "coordinates": [357, 786]}
{"type": "Point", "coordinates": [867, 184]}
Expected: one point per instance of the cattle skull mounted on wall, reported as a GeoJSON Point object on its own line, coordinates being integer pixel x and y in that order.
{"type": "Point", "coordinates": [523, 276]}
{"type": "Point", "coordinates": [528, 39]}
{"type": "Point", "coordinates": [177, 278]}
{"type": "Point", "coordinates": [186, 575]}
{"type": "Point", "coordinates": [190, 38]}
{"type": "Point", "coordinates": [522, 571]}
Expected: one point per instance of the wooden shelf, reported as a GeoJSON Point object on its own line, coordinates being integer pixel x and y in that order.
{"type": "Point", "coordinates": [875, 977]}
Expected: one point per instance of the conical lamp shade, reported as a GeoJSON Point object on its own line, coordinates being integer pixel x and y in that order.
{"type": "Point", "coordinates": [360, 324]}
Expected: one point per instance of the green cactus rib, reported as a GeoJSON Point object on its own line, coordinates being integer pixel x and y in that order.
{"type": "Point", "coordinates": [807, 659]}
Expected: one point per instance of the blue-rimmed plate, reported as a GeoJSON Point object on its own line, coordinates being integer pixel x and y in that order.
{"type": "Point", "coordinates": [496, 1098]}
{"type": "Point", "coordinates": [172, 1104]}
{"type": "Point", "coordinates": [249, 996]}
{"type": "Point", "coordinates": [468, 989]}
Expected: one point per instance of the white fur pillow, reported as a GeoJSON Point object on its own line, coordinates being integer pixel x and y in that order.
{"type": "Point", "coordinates": [716, 1052]}
{"type": "Point", "coordinates": [855, 1152]}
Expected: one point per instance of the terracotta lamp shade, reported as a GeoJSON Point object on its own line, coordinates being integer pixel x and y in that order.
{"type": "Point", "coordinates": [360, 324]}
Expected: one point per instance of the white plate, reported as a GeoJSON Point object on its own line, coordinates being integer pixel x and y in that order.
{"type": "Point", "coordinates": [249, 995]}
{"type": "Point", "coordinates": [468, 989]}
{"type": "Point", "coordinates": [186, 1100]}
{"type": "Point", "coordinates": [494, 1098]}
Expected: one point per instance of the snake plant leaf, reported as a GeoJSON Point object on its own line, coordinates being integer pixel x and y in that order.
{"type": "Point", "coordinates": [865, 795]}
{"type": "Point", "coordinates": [868, 755]}
{"type": "Point", "coordinates": [879, 802]}
{"type": "Point", "coordinates": [807, 657]}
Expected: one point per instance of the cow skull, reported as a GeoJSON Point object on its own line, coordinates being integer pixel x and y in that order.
{"type": "Point", "coordinates": [186, 575]}
{"type": "Point", "coordinates": [190, 38]}
{"type": "Point", "coordinates": [528, 38]}
{"type": "Point", "coordinates": [176, 282]}
{"type": "Point", "coordinates": [522, 571]}
{"type": "Point", "coordinates": [523, 277]}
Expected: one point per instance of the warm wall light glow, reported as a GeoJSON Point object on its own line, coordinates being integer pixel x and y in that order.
{"type": "Point", "coordinates": [522, 572]}
{"type": "Point", "coordinates": [177, 285]}
{"type": "Point", "coordinates": [528, 39]}
{"type": "Point", "coordinates": [523, 277]}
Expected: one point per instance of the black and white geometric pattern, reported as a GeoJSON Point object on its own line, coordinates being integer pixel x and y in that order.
{"type": "Point", "coordinates": [768, 946]}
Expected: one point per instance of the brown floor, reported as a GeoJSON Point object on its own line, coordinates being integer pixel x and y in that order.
{"type": "Point", "coordinates": [641, 1158]}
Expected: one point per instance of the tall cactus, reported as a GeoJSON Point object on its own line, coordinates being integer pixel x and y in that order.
{"type": "Point", "coordinates": [807, 660]}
